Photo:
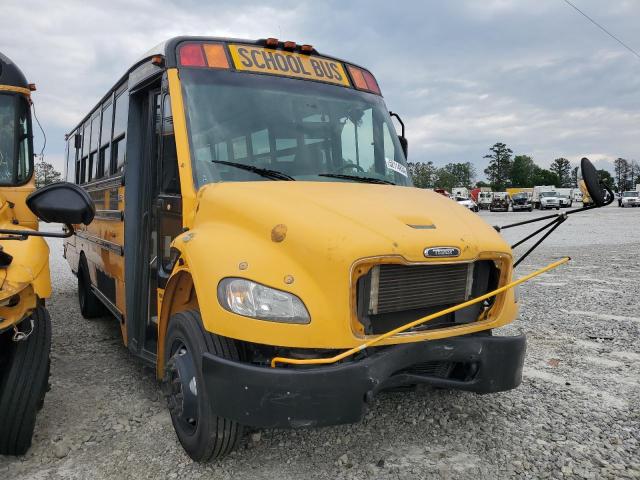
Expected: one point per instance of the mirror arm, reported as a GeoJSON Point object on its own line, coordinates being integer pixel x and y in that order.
{"type": "Point", "coordinates": [555, 224]}
{"type": "Point", "coordinates": [393, 114]}
{"type": "Point", "coordinates": [23, 234]}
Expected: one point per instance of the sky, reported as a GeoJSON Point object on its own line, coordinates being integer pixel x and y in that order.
{"type": "Point", "coordinates": [463, 74]}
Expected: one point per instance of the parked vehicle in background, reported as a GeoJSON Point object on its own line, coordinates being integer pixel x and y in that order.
{"type": "Point", "coordinates": [565, 201]}
{"type": "Point", "coordinates": [468, 203]}
{"type": "Point", "coordinates": [544, 197]}
{"type": "Point", "coordinates": [577, 195]}
{"type": "Point", "coordinates": [566, 196]}
{"type": "Point", "coordinates": [513, 190]}
{"type": "Point", "coordinates": [499, 202]}
{"type": "Point", "coordinates": [629, 199]}
{"type": "Point", "coordinates": [484, 200]}
{"type": "Point", "coordinates": [521, 201]}
{"type": "Point", "coordinates": [442, 191]}
{"type": "Point", "coordinates": [460, 192]}
{"type": "Point", "coordinates": [548, 200]}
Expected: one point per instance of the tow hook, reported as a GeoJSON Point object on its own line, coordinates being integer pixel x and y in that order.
{"type": "Point", "coordinates": [19, 336]}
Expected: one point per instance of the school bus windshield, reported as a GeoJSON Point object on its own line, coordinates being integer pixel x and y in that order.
{"type": "Point", "coordinates": [14, 140]}
{"type": "Point", "coordinates": [303, 129]}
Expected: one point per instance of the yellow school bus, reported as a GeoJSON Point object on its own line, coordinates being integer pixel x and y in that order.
{"type": "Point", "coordinates": [25, 327]}
{"type": "Point", "coordinates": [259, 241]}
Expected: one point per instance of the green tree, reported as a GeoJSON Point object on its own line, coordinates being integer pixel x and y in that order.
{"type": "Point", "coordinates": [542, 176]}
{"type": "Point", "coordinates": [605, 177]}
{"type": "Point", "coordinates": [482, 184]}
{"type": "Point", "coordinates": [445, 179]}
{"type": "Point", "coordinates": [522, 171]}
{"type": "Point", "coordinates": [562, 168]}
{"type": "Point", "coordinates": [463, 173]}
{"type": "Point", "coordinates": [574, 176]}
{"type": "Point", "coordinates": [45, 173]}
{"type": "Point", "coordinates": [422, 174]}
{"type": "Point", "coordinates": [499, 169]}
{"type": "Point", "coordinates": [621, 171]}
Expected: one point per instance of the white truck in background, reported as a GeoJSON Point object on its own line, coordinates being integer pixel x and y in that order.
{"type": "Point", "coordinates": [566, 196]}
{"type": "Point", "coordinates": [545, 196]}
{"type": "Point", "coordinates": [484, 199]}
{"type": "Point", "coordinates": [460, 192]}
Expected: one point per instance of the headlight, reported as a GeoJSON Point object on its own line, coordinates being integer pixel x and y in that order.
{"type": "Point", "coordinates": [253, 300]}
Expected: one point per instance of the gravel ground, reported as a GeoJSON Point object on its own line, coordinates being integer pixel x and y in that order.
{"type": "Point", "coordinates": [576, 414]}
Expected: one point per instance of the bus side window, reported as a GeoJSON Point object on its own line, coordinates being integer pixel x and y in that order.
{"type": "Point", "coordinates": [119, 145]}
{"type": "Point", "coordinates": [170, 180]}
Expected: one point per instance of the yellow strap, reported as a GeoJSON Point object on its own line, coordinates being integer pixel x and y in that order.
{"type": "Point", "coordinates": [390, 333]}
{"type": "Point", "coordinates": [11, 88]}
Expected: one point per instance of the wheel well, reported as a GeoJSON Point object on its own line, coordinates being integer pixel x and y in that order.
{"type": "Point", "coordinates": [179, 295]}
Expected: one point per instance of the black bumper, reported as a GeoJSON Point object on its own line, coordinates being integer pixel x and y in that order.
{"type": "Point", "coordinates": [335, 394]}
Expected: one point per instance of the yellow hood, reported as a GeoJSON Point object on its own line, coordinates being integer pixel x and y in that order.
{"type": "Point", "coordinates": [274, 232]}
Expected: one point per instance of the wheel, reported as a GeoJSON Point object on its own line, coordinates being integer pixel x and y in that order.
{"type": "Point", "coordinates": [90, 305]}
{"type": "Point", "coordinates": [530, 209]}
{"type": "Point", "coordinates": [203, 434]}
{"type": "Point", "coordinates": [24, 378]}
{"type": "Point", "coordinates": [557, 208]}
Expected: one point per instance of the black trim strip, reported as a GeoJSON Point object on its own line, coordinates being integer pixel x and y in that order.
{"type": "Point", "coordinates": [107, 303]}
{"type": "Point", "coordinates": [114, 247]}
{"type": "Point", "coordinates": [109, 215]}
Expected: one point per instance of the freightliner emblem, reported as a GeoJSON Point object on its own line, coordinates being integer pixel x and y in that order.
{"type": "Point", "coordinates": [441, 252]}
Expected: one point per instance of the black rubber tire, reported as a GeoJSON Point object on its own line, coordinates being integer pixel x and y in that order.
{"type": "Point", "coordinates": [90, 305]}
{"type": "Point", "coordinates": [214, 436]}
{"type": "Point", "coordinates": [23, 384]}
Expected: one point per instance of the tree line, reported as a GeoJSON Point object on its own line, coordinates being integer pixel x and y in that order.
{"type": "Point", "coordinates": [627, 174]}
{"type": "Point", "coordinates": [506, 170]}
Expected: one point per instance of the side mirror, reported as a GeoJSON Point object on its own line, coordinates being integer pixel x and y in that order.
{"type": "Point", "coordinates": [62, 202]}
{"type": "Point", "coordinates": [404, 144]}
{"type": "Point", "coordinates": [403, 140]}
{"type": "Point", "coordinates": [589, 183]}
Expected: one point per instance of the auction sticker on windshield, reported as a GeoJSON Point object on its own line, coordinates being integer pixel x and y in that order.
{"type": "Point", "coordinates": [396, 166]}
{"type": "Point", "coordinates": [275, 62]}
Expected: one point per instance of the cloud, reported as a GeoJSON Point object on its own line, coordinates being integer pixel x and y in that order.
{"type": "Point", "coordinates": [463, 75]}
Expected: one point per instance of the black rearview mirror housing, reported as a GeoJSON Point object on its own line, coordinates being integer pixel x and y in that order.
{"type": "Point", "coordinates": [62, 202]}
{"type": "Point", "coordinates": [589, 183]}
{"type": "Point", "coordinates": [404, 144]}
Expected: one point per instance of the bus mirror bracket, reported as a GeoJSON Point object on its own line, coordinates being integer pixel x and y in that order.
{"type": "Point", "coordinates": [403, 140]}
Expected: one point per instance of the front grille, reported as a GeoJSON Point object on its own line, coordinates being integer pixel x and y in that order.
{"type": "Point", "coordinates": [404, 288]}
{"type": "Point", "coordinates": [392, 295]}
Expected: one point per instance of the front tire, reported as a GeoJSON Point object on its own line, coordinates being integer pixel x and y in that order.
{"type": "Point", "coordinates": [202, 433]}
{"type": "Point", "coordinates": [24, 379]}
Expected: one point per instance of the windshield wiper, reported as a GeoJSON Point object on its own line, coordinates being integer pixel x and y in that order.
{"type": "Point", "coordinates": [263, 172]}
{"type": "Point", "coordinates": [356, 178]}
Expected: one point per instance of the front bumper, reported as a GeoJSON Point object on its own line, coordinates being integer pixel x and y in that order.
{"type": "Point", "coordinates": [520, 206]}
{"type": "Point", "coordinates": [328, 395]}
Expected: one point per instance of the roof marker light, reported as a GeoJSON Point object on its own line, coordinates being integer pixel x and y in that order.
{"type": "Point", "coordinates": [290, 45]}
{"type": "Point", "coordinates": [191, 55]}
{"type": "Point", "coordinates": [306, 48]}
{"type": "Point", "coordinates": [271, 42]}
